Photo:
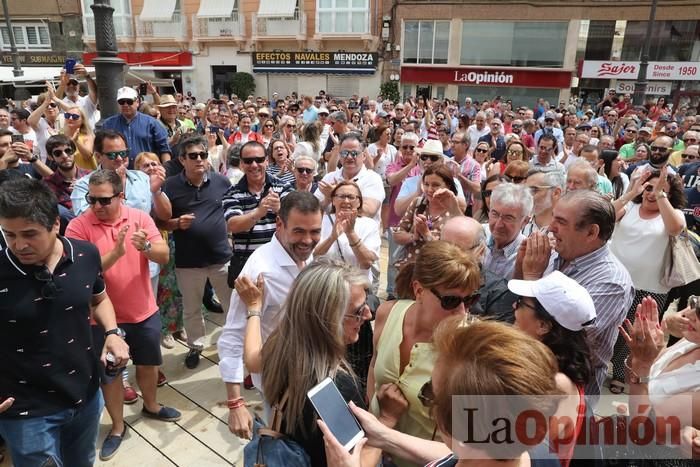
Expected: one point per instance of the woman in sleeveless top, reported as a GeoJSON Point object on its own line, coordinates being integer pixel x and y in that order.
{"type": "Point", "coordinates": [78, 129]}
{"type": "Point", "coordinates": [556, 310]}
{"type": "Point", "coordinates": [445, 279]}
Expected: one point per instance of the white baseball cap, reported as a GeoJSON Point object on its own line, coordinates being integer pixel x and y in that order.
{"type": "Point", "coordinates": [127, 93]}
{"type": "Point", "coordinates": [562, 297]}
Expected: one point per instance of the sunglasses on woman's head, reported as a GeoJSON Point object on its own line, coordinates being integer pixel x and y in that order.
{"type": "Point", "coordinates": [450, 302]}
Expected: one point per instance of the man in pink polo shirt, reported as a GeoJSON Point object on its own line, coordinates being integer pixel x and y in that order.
{"type": "Point", "coordinates": [127, 239]}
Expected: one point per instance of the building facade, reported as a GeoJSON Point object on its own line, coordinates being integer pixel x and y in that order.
{"type": "Point", "coordinates": [460, 48]}
{"type": "Point", "coordinates": [288, 45]}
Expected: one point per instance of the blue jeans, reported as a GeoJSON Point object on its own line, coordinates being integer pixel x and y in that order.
{"type": "Point", "coordinates": [67, 438]}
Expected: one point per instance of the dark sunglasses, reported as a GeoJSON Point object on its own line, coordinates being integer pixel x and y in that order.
{"type": "Point", "coordinates": [113, 155]}
{"type": "Point", "coordinates": [406, 146]}
{"type": "Point", "coordinates": [480, 150]}
{"type": "Point", "coordinates": [659, 149]}
{"type": "Point", "coordinates": [56, 153]}
{"type": "Point", "coordinates": [104, 201]}
{"type": "Point", "coordinates": [304, 170]}
{"type": "Point", "coordinates": [193, 156]}
{"type": "Point", "coordinates": [70, 116]}
{"type": "Point", "coordinates": [250, 160]}
{"type": "Point", "coordinates": [515, 179]}
{"type": "Point", "coordinates": [425, 157]}
{"type": "Point", "coordinates": [290, 126]}
{"type": "Point", "coordinates": [692, 157]}
{"type": "Point", "coordinates": [269, 126]}
{"type": "Point", "coordinates": [450, 302]}
{"type": "Point", "coordinates": [345, 153]}
{"type": "Point", "coordinates": [125, 102]}
{"type": "Point", "coordinates": [52, 105]}
{"type": "Point", "coordinates": [426, 396]}
{"type": "Point", "coordinates": [649, 188]}
{"type": "Point", "coordinates": [49, 289]}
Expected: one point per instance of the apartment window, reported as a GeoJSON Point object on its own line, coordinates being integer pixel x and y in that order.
{"type": "Point", "coordinates": [513, 43]}
{"type": "Point", "coordinates": [33, 36]}
{"type": "Point", "coordinates": [342, 16]}
{"type": "Point", "coordinates": [426, 41]}
{"type": "Point", "coordinates": [122, 18]}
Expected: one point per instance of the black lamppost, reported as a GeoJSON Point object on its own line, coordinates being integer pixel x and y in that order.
{"type": "Point", "coordinates": [109, 68]}
{"type": "Point", "coordinates": [17, 69]}
{"type": "Point", "coordinates": [640, 86]}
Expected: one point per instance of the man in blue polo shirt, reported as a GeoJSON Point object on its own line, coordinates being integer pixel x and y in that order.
{"type": "Point", "coordinates": [143, 133]}
{"type": "Point", "coordinates": [251, 206]}
{"type": "Point", "coordinates": [202, 250]}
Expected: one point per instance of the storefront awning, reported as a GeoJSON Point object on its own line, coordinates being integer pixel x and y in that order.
{"type": "Point", "coordinates": [215, 8]}
{"type": "Point", "coordinates": [157, 10]}
{"type": "Point", "coordinates": [277, 8]}
{"type": "Point", "coordinates": [37, 74]}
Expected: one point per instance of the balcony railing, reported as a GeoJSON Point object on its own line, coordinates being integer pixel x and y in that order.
{"type": "Point", "coordinates": [279, 26]}
{"type": "Point", "coordinates": [213, 28]}
{"type": "Point", "coordinates": [176, 28]}
{"type": "Point", "coordinates": [123, 27]}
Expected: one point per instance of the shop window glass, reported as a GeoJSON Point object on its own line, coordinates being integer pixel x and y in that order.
{"type": "Point", "coordinates": [426, 42]}
{"type": "Point", "coordinates": [342, 16]}
{"type": "Point", "coordinates": [671, 41]}
{"type": "Point", "coordinates": [508, 43]}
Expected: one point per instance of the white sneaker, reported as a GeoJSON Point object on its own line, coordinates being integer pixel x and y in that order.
{"type": "Point", "coordinates": [168, 341]}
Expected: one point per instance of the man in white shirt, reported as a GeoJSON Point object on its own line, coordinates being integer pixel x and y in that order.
{"type": "Point", "coordinates": [279, 262]}
{"type": "Point", "coordinates": [70, 86]}
{"type": "Point", "coordinates": [477, 130]}
{"type": "Point", "coordinates": [352, 159]}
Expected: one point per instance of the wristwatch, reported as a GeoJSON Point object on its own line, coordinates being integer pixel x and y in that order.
{"type": "Point", "coordinates": [32, 159]}
{"type": "Point", "coordinates": [252, 313]}
{"type": "Point", "coordinates": [118, 331]}
{"type": "Point", "coordinates": [147, 246]}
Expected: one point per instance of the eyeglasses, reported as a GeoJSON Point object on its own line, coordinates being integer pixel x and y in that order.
{"type": "Point", "coordinates": [515, 153]}
{"type": "Point", "coordinates": [194, 155]}
{"type": "Point", "coordinates": [426, 157]}
{"type": "Point", "coordinates": [70, 116]}
{"type": "Point", "coordinates": [506, 218]}
{"type": "Point", "coordinates": [125, 102]}
{"type": "Point", "coordinates": [346, 197]}
{"type": "Point", "coordinates": [521, 303]}
{"type": "Point", "coordinates": [113, 155]}
{"type": "Point", "coordinates": [359, 314]}
{"type": "Point", "coordinates": [250, 160]}
{"type": "Point", "coordinates": [347, 153]}
{"type": "Point", "coordinates": [56, 153]}
{"type": "Point", "coordinates": [290, 126]}
{"type": "Point", "coordinates": [631, 130]}
{"type": "Point", "coordinates": [659, 149]}
{"type": "Point", "coordinates": [304, 170]}
{"type": "Point", "coordinates": [49, 290]}
{"type": "Point", "coordinates": [426, 396]}
{"type": "Point", "coordinates": [450, 302]}
{"type": "Point", "coordinates": [407, 146]}
{"type": "Point", "coordinates": [104, 201]}
{"type": "Point", "coordinates": [690, 157]}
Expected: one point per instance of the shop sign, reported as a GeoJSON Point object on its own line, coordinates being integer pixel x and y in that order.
{"type": "Point", "coordinates": [34, 58]}
{"type": "Point", "coordinates": [496, 77]}
{"type": "Point", "coordinates": [654, 88]}
{"type": "Point", "coordinates": [315, 62]}
{"type": "Point", "coordinates": [152, 59]}
{"type": "Point", "coordinates": [674, 71]}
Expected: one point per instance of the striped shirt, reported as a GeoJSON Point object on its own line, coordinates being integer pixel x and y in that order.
{"type": "Point", "coordinates": [501, 261]}
{"type": "Point", "coordinates": [238, 201]}
{"type": "Point", "coordinates": [287, 177]}
{"type": "Point", "coordinates": [610, 287]}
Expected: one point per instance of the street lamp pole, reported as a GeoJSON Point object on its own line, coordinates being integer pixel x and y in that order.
{"type": "Point", "coordinates": [109, 68]}
{"type": "Point", "coordinates": [17, 69]}
{"type": "Point", "coordinates": [640, 86]}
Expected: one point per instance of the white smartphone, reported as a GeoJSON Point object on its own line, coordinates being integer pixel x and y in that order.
{"type": "Point", "coordinates": [335, 413]}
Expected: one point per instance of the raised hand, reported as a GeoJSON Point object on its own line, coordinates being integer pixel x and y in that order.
{"type": "Point", "coordinates": [139, 237]}
{"type": "Point", "coordinates": [120, 248]}
{"type": "Point", "coordinates": [251, 293]}
{"type": "Point", "coordinates": [156, 178]}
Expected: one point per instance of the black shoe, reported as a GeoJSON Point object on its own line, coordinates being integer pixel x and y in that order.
{"type": "Point", "coordinates": [192, 359]}
{"type": "Point", "coordinates": [213, 305]}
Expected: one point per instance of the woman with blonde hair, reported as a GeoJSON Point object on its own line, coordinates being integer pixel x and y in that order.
{"type": "Point", "coordinates": [321, 316]}
{"type": "Point", "coordinates": [285, 131]}
{"type": "Point", "coordinates": [76, 127]}
{"type": "Point", "coordinates": [267, 129]}
{"type": "Point", "coordinates": [445, 282]}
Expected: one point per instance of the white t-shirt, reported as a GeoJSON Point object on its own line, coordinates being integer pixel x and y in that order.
{"type": "Point", "coordinates": [389, 157]}
{"type": "Point", "coordinates": [640, 245]}
{"type": "Point", "coordinates": [88, 107]}
{"type": "Point", "coordinates": [370, 183]}
{"type": "Point", "coordinates": [475, 134]}
{"type": "Point", "coordinates": [365, 228]}
{"type": "Point", "coordinates": [45, 132]}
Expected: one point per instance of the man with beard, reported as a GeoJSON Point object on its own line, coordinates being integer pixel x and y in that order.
{"type": "Point", "coordinates": [546, 189]}
{"type": "Point", "coordinates": [275, 264]}
{"type": "Point", "coordinates": [11, 154]}
{"type": "Point", "coordinates": [661, 149]}
{"type": "Point", "coordinates": [62, 151]}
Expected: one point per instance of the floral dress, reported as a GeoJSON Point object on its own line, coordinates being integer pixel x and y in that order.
{"type": "Point", "coordinates": [169, 298]}
{"type": "Point", "coordinates": [407, 224]}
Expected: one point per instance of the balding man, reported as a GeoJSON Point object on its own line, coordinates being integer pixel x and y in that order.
{"type": "Point", "coordinates": [581, 176]}
{"type": "Point", "coordinates": [690, 169]}
{"type": "Point", "coordinates": [496, 301]}
{"type": "Point", "coordinates": [661, 149]}
{"type": "Point", "coordinates": [691, 138]}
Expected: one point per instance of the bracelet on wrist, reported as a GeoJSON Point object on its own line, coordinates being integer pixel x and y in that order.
{"type": "Point", "coordinates": [634, 378]}
{"type": "Point", "coordinates": [235, 403]}
{"type": "Point", "coordinates": [353, 245]}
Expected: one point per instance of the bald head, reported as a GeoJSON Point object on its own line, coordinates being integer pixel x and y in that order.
{"type": "Point", "coordinates": [463, 231]}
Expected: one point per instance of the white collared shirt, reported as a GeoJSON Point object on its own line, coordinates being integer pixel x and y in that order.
{"type": "Point", "coordinates": [279, 271]}
{"type": "Point", "coordinates": [370, 183]}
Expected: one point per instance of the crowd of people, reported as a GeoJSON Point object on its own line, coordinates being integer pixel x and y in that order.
{"type": "Point", "coordinates": [526, 255]}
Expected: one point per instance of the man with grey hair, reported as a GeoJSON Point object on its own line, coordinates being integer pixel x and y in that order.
{"type": "Point", "coordinates": [495, 139]}
{"type": "Point", "coordinates": [477, 130]}
{"type": "Point", "coordinates": [465, 168]}
{"type": "Point", "coordinates": [510, 210]}
{"type": "Point", "coordinates": [581, 176]}
{"type": "Point", "coordinates": [546, 188]}
{"type": "Point", "coordinates": [338, 122]}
